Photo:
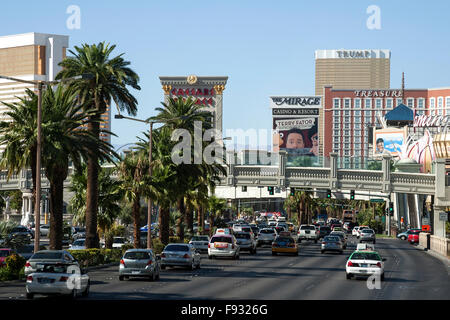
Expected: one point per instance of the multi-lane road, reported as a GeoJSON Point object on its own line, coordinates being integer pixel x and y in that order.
{"type": "Point", "coordinates": [410, 274]}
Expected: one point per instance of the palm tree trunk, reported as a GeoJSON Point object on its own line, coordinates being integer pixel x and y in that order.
{"type": "Point", "coordinates": [56, 211]}
{"type": "Point", "coordinates": [180, 226]}
{"type": "Point", "coordinates": [164, 217]}
{"type": "Point", "coordinates": [137, 221]}
{"type": "Point", "coordinates": [92, 240]}
{"type": "Point", "coordinates": [200, 218]}
{"type": "Point", "coordinates": [189, 220]}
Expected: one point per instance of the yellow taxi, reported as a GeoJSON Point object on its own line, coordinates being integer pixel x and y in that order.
{"type": "Point", "coordinates": [284, 243]}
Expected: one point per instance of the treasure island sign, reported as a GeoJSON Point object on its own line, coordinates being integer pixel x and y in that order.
{"type": "Point", "coordinates": [204, 91]}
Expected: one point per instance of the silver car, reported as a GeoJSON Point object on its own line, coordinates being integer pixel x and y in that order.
{"type": "Point", "coordinates": [331, 243]}
{"type": "Point", "coordinates": [57, 279]}
{"type": "Point", "coordinates": [44, 230]}
{"type": "Point", "coordinates": [180, 255]}
{"type": "Point", "coordinates": [343, 237]}
{"type": "Point", "coordinates": [266, 236]}
{"type": "Point", "coordinates": [246, 241]}
{"type": "Point", "coordinates": [51, 256]}
{"type": "Point", "coordinates": [139, 263]}
{"type": "Point", "coordinates": [367, 235]}
{"type": "Point", "coordinates": [78, 245]}
{"type": "Point", "coordinates": [200, 243]}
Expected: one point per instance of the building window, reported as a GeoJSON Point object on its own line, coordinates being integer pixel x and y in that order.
{"type": "Point", "coordinates": [347, 139]}
{"type": "Point", "coordinates": [347, 103]}
{"type": "Point", "coordinates": [336, 103]}
{"type": "Point", "coordinates": [378, 103]}
{"type": "Point", "coordinates": [346, 113]}
{"type": "Point", "coordinates": [336, 139]}
{"type": "Point", "coordinates": [336, 113]}
{"type": "Point", "coordinates": [336, 126]}
{"type": "Point", "coordinates": [357, 113]}
{"type": "Point", "coordinates": [336, 146]}
{"type": "Point", "coordinates": [368, 103]}
{"type": "Point", "coordinates": [347, 119]}
{"type": "Point", "coordinates": [440, 102]}
{"type": "Point", "coordinates": [421, 103]}
{"type": "Point", "coordinates": [357, 103]}
{"type": "Point", "coordinates": [346, 132]}
{"type": "Point", "coordinates": [346, 126]}
{"type": "Point", "coordinates": [357, 119]}
{"type": "Point", "coordinates": [420, 112]}
{"type": "Point", "coordinates": [389, 103]}
{"type": "Point", "coordinates": [357, 126]}
{"type": "Point", "coordinates": [432, 102]}
{"type": "Point", "coordinates": [410, 102]}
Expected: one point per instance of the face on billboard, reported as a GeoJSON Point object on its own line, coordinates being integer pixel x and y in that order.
{"type": "Point", "coordinates": [296, 135]}
{"type": "Point", "coordinates": [388, 142]}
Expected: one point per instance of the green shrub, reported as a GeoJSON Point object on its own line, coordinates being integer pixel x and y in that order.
{"type": "Point", "coordinates": [158, 246]}
{"type": "Point", "coordinates": [126, 246]}
{"type": "Point", "coordinates": [15, 263]}
{"type": "Point", "coordinates": [94, 257]}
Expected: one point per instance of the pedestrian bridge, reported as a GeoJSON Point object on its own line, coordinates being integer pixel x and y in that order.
{"type": "Point", "coordinates": [281, 175]}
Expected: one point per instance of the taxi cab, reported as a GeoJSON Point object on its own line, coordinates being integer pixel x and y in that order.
{"type": "Point", "coordinates": [284, 243]}
{"type": "Point", "coordinates": [224, 231]}
{"type": "Point", "coordinates": [365, 263]}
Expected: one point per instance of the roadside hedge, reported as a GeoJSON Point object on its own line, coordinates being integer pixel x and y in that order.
{"type": "Point", "coordinates": [14, 268]}
{"type": "Point", "coordinates": [95, 257]}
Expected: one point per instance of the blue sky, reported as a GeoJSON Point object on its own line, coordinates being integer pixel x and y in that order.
{"type": "Point", "coordinates": [264, 47]}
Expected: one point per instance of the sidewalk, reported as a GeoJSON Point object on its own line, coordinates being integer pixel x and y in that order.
{"type": "Point", "coordinates": [445, 260]}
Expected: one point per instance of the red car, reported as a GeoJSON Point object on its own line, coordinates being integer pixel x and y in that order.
{"type": "Point", "coordinates": [413, 237]}
{"type": "Point", "coordinates": [3, 254]}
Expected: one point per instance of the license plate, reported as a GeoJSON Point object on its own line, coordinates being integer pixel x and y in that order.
{"type": "Point", "coordinates": [363, 271]}
{"type": "Point", "coordinates": [307, 232]}
{"type": "Point", "coordinates": [363, 265]}
{"type": "Point", "coordinates": [135, 272]}
{"type": "Point", "coordinates": [45, 280]}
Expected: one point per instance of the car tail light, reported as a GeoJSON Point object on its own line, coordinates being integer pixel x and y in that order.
{"type": "Point", "coordinates": [29, 279]}
{"type": "Point", "coordinates": [379, 264]}
{"type": "Point", "coordinates": [186, 256]}
{"type": "Point", "coordinates": [122, 262]}
{"type": "Point", "coordinates": [27, 264]}
{"type": "Point", "coordinates": [209, 245]}
{"type": "Point", "coordinates": [232, 246]}
{"type": "Point", "coordinates": [349, 264]}
{"type": "Point", "coordinates": [324, 242]}
{"type": "Point", "coordinates": [149, 262]}
{"type": "Point", "coordinates": [163, 255]}
{"type": "Point", "coordinates": [274, 244]}
{"type": "Point", "coordinates": [63, 279]}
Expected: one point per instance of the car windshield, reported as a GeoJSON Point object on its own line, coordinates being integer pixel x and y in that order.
{"type": "Point", "coordinates": [331, 239]}
{"type": "Point", "coordinates": [52, 268]}
{"type": "Point", "coordinates": [19, 229]}
{"type": "Point", "coordinates": [337, 234]}
{"type": "Point", "coordinates": [242, 236]}
{"type": "Point", "coordinates": [47, 255]}
{"type": "Point", "coordinates": [246, 229]}
{"type": "Point", "coordinates": [119, 240]}
{"type": "Point", "coordinates": [200, 238]}
{"type": "Point", "coordinates": [221, 239]}
{"type": "Point", "coordinates": [26, 249]}
{"type": "Point", "coordinates": [365, 256]}
{"type": "Point", "coordinates": [367, 231]}
{"type": "Point", "coordinates": [325, 228]}
{"type": "Point", "coordinates": [307, 228]}
{"type": "Point", "coordinates": [176, 247]}
{"type": "Point", "coordinates": [79, 229]}
{"type": "Point", "coordinates": [4, 253]}
{"type": "Point", "coordinates": [78, 243]}
{"type": "Point", "coordinates": [136, 255]}
{"type": "Point", "coordinates": [267, 231]}
{"type": "Point", "coordinates": [284, 240]}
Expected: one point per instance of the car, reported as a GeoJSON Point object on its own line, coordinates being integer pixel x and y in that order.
{"type": "Point", "coordinates": [67, 236]}
{"type": "Point", "coordinates": [404, 235]}
{"type": "Point", "coordinates": [21, 231]}
{"type": "Point", "coordinates": [140, 263]}
{"type": "Point", "coordinates": [237, 227]}
{"type": "Point", "coordinates": [223, 245]}
{"type": "Point", "coordinates": [266, 236]}
{"type": "Point", "coordinates": [336, 225]}
{"type": "Point", "coordinates": [57, 279]}
{"type": "Point", "coordinates": [284, 244]}
{"type": "Point", "coordinates": [44, 230]}
{"type": "Point", "coordinates": [365, 246]}
{"type": "Point", "coordinates": [78, 245]}
{"type": "Point", "coordinates": [247, 229]}
{"type": "Point", "coordinates": [348, 226]}
{"type": "Point", "coordinates": [180, 255]}
{"type": "Point", "coordinates": [118, 242]}
{"type": "Point", "coordinates": [26, 251]}
{"type": "Point", "coordinates": [246, 241]}
{"type": "Point", "coordinates": [78, 233]}
{"type": "Point", "coordinates": [282, 224]}
{"type": "Point", "coordinates": [355, 231]}
{"type": "Point", "coordinates": [272, 223]}
{"type": "Point", "coordinates": [364, 263]}
{"type": "Point", "coordinates": [308, 232]}
{"type": "Point", "coordinates": [324, 231]}
{"type": "Point", "coordinates": [200, 243]}
{"type": "Point", "coordinates": [343, 237]}
{"type": "Point", "coordinates": [413, 237]}
{"type": "Point", "coordinates": [367, 235]}
{"type": "Point", "coordinates": [255, 231]}
{"type": "Point", "coordinates": [44, 256]}
{"type": "Point", "coordinates": [281, 219]}
{"type": "Point", "coordinates": [4, 253]}
{"type": "Point", "coordinates": [361, 228]}
{"type": "Point", "coordinates": [279, 229]}
{"type": "Point", "coordinates": [331, 243]}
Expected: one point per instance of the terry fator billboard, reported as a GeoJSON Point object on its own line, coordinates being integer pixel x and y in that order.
{"type": "Point", "coordinates": [295, 124]}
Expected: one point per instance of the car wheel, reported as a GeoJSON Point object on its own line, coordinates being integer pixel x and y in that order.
{"type": "Point", "coordinates": [210, 256]}
{"type": "Point", "coordinates": [373, 241]}
{"type": "Point", "coordinates": [403, 237]}
{"type": "Point", "coordinates": [120, 278]}
{"type": "Point", "coordinates": [296, 254]}
{"type": "Point", "coordinates": [348, 276]}
{"type": "Point", "coordinates": [274, 253]}
{"type": "Point", "coordinates": [382, 277]}
{"type": "Point", "coordinates": [315, 241]}
{"type": "Point", "coordinates": [157, 275]}
{"type": "Point", "coordinates": [73, 294]}
{"type": "Point", "coordinates": [299, 240]}
{"type": "Point", "coordinates": [322, 251]}
{"type": "Point", "coordinates": [163, 267]}
{"type": "Point", "coordinates": [30, 296]}
{"type": "Point", "coordinates": [86, 291]}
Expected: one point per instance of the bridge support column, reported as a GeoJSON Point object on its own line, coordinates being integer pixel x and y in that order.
{"type": "Point", "coordinates": [333, 171]}
{"type": "Point", "coordinates": [27, 207]}
{"type": "Point", "coordinates": [282, 155]}
{"type": "Point", "coordinates": [230, 168]}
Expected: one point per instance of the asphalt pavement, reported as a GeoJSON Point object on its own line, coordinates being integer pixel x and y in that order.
{"type": "Point", "coordinates": [409, 274]}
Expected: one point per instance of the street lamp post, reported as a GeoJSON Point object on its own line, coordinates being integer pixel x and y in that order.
{"type": "Point", "coordinates": [37, 206]}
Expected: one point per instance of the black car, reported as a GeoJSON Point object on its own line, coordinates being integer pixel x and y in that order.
{"type": "Point", "coordinates": [21, 231]}
{"type": "Point", "coordinates": [324, 231]}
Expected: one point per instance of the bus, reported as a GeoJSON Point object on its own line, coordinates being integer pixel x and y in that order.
{"type": "Point", "coordinates": [349, 216]}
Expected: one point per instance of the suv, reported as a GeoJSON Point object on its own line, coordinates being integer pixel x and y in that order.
{"type": "Point", "coordinates": [246, 241]}
{"type": "Point", "coordinates": [324, 231]}
{"type": "Point", "coordinates": [367, 235]}
{"type": "Point", "coordinates": [308, 232]}
{"type": "Point", "coordinates": [266, 236]}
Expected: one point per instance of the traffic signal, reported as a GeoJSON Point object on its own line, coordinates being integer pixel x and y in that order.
{"type": "Point", "coordinates": [271, 190]}
{"type": "Point", "coordinates": [244, 188]}
{"type": "Point", "coordinates": [328, 194]}
{"type": "Point", "coordinates": [292, 191]}
{"type": "Point", "coordinates": [391, 209]}
{"type": "Point", "coordinates": [352, 194]}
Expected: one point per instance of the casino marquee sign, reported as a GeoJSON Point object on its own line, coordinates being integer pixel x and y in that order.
{"type": "Point", "coordinates": [296, 101]}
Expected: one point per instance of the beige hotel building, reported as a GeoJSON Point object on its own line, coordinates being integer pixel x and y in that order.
{"type": "Point", "coordinates": [350, 69]}
{"type": "Point", "coordinates": [33, 56]}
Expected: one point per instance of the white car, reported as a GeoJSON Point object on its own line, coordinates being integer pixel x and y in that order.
{"type": "Point", "coordinates": [266, 236]}
{"type": "Point", "coordinates": [78, 245]}
{"type": "Point", "coordinates": [118, 242]}
{"type": "Point", "coordinates": [361, 228]}
{"type": "Point", "coordinates": [355, 231]}
{"type": "Point", "coordinates": [342, 235]}
{"type": "Point", "coordinates": [364, 263]}
{"type": "Point", "coordinates": [308, 232]}
{"type": "Point", "coordinates": [57, 279]}
{"type": "Point", "coordinates": [200, 243]}
{"type": "Point", "coordinates": [223, 245]}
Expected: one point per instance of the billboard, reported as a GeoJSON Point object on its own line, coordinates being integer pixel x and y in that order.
{"type": "Point", "coordinates": [296, 135]}
{"type": "Point", "coordinates": [388, 141]}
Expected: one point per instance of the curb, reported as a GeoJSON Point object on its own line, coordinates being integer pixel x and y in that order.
{"type": "Point", "coordinates": [445, 260]}
{"type": "Point", "coordinates": [103, 266]}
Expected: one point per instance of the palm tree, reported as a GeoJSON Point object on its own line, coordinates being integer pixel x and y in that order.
{"type": "Point", "coordinates": [110, 82]}
{"type": "Point", "coordinates": [65, 140]}
{"type": "Point", "coordinates": [19, 136]}
{"type": "Point", "coordinates": [216, 206]}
